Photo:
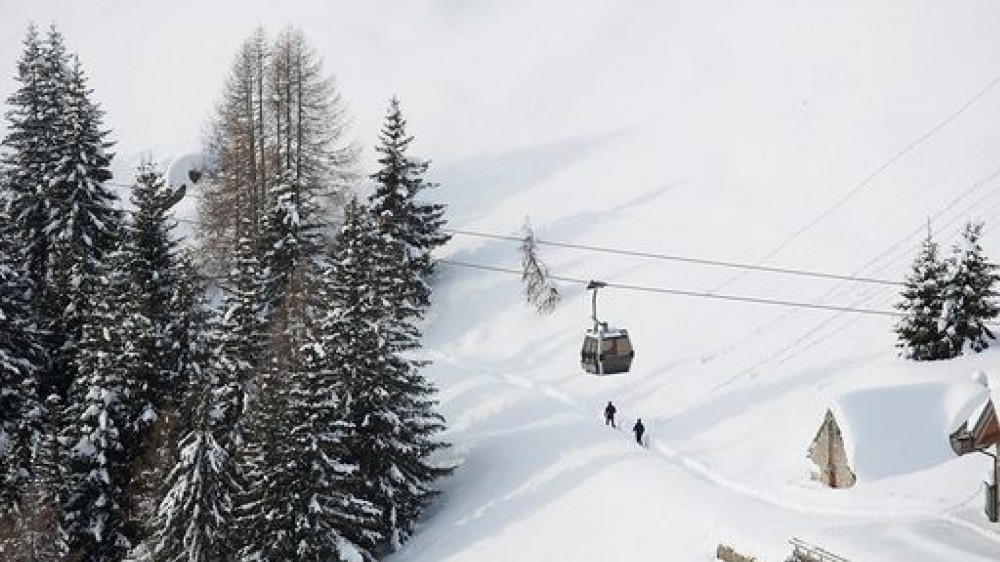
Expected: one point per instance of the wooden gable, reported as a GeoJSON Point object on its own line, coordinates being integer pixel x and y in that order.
{"type": "Point", "coordinates": [828, 454]}
{"type": "Point", "coordinates": [984, 433]}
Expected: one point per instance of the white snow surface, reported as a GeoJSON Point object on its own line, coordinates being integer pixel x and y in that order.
{"type": "Point", "coordinates": [799, 134]}
{"type": "Point", "coordinates": [903, 426]}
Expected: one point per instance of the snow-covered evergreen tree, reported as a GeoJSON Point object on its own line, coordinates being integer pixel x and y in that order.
{"type": "Point", "coordinates": [61, 214]}
{"type": "Point", "coordinates": [295, 238]}
{"type": "Point", "coordinates": [197, 512]}
{"type": "Point", "coordinates": [82, 221]}
{"type": "Point", "coordinates": [539, 289]}
{"type": "Point", "coordinates": [195, 336]}
{"type": "Point", "coordinates": [31, 154]}
{"type": "Point", "coordinates": [389, 404]}
{"type": "Point", "coordinates": [239, 348]}
{"type": "Point", "coordinates": [155, 326]}
{"type": "Point", "coordinates": [920, 331]}
{"type": "Point", "coordinates": [304, 499]}
{"type": "Point", "coordinates": [20, 409]}
{"type": "Point", "coordinates": [98, 423]}
{"type": "Point", "coordinates": [41, 537]}
{"type": "Point", "coordinates": [395, 419]}
{"type": "Point", "coordinates": [62, 229]}
{"type": "Point", "coordinates": [970, 296]}
{"type": "Point", "coordinates": [196, 517]}
{"type": "Point", "coordinates": [26, 159]}
{"type": "Point", "coordinates": [396, 204]}
{"type": "Point", "coordinates": [152, 253]}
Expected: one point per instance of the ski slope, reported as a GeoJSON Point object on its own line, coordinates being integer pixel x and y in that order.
{"type": "Point", "coordinates": [799, 134]}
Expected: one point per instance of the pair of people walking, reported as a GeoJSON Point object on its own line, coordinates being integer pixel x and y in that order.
{"type": "Point", "coordinates": [609, 419]}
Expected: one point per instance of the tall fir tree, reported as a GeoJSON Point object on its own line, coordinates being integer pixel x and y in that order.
{"type": "Point", "coordinates": [970, 296]}
{"type": "Point", "coordinates": [35, 121]}
{"type": "Point", "coordinates": [99, 422]}
{"type": "Point", "coordinates": [61, 228]}
{"type": "Point", "coordinates": [151, 353]}
{"type": "Point", "coordinates": [21, 411]}
{"type": "Point", "coordinates": [80, 217]}
{"type": "Point", "coordinates": [304, 501]}
{"type": "Point", "coordinates": [395, 422]}
{"type": "Point", "coordinates": [920, 332]}
{"type": "Point", "coordinates": [239, 350]}
{"type": "Point", "coordinates": [195, 519]}
{"type": "Point", "coordinates": [389, 404]}
{"type": "Point", "coordinates": [83, 222]}
{"type": "Point", "coordinates": [154, 329]}
{"type": "Point", "coordinates": [27, 159]}
{"type": "Point", "coordinates": [396, 203]}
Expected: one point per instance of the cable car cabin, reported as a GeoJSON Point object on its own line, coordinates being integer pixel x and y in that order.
{"type": "Point", "coordinates": [606, 351]}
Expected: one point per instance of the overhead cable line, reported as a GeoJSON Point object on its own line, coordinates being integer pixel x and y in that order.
{"type": "Point", "coordinates": [684, 259]}
{"type": "Point", "coordinates": [871, 177]}
{"type": "Point", "coordinates": [884, 257]}
{"type": "Point", "coordinates": [682, 292]}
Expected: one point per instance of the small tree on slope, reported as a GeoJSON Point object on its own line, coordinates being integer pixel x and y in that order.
{"type": "Point", "coordinates": [539, 290]}
{"type": "Point", "coordinates": [920, 332]}
{"type": "Point", "coordinates": [970, 297]}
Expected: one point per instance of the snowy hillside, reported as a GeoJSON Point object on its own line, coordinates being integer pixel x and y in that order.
{"type": "Point", "coordinates": [805, 135]}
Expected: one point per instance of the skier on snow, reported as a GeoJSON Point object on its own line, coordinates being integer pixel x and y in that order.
{"type": "Point", "coordinates": [639, 429]}
{"type": "Point", "coordinates": [609, 414]}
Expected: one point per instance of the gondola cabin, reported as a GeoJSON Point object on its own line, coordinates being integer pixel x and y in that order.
{"type": "Point", "coordinates": [606, 351]}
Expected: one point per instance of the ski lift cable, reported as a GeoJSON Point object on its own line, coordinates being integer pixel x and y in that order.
{"type": "Point", "coordinates": [980, 94]}
{"type": "Point", "coordinates": [682, 292]}
{"type": "Point", "coordinates": [902, 249]}
{"type": "Point", "coordinates": [888, 258]}
{"type": "Point", "coordinates": [685, 259]}
{"type": "Point", "coordinates": [802, 341]}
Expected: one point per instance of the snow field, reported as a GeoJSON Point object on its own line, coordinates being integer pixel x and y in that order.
{"type": "Point", "coordinates": [717, 129]}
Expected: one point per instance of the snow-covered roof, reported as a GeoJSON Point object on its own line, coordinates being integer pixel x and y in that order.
{"type": "Point", "coordinates": [609, 332]}
{"type": "Point", "coordinates": [889, 430]}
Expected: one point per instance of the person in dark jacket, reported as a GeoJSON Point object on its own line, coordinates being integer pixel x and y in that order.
{"type": "Point", "coordinates": [639, 429]}
{"type": "Point", "coordinates": [609, 414]}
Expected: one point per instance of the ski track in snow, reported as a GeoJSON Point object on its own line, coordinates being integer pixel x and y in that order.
{"type": "Point", "coordinates": [701, 471]}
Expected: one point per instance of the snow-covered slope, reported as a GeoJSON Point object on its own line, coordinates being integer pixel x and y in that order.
{"type": "Point", "coordinates": [796, 133]}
